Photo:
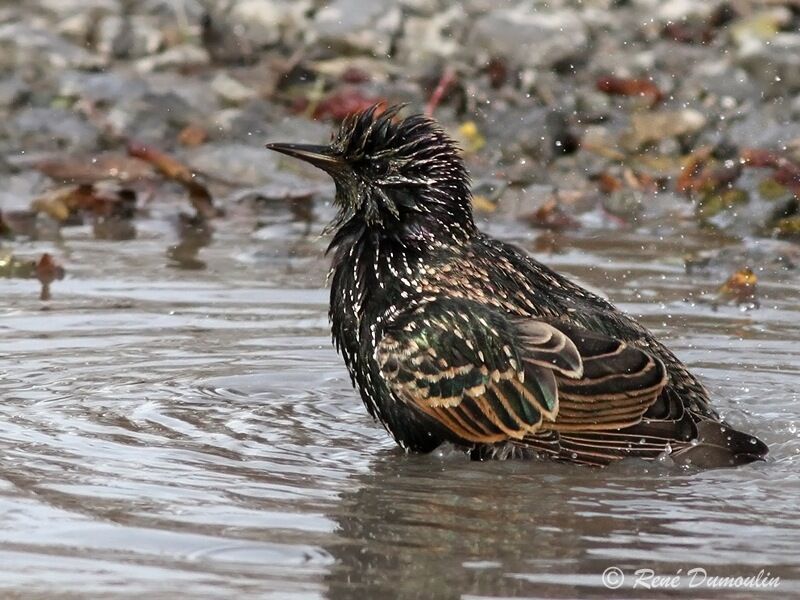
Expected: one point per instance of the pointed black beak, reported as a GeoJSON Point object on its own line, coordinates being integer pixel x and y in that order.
{"type": "Point", "coordinates": [319, 156]}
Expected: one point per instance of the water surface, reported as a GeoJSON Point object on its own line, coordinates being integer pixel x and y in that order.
{"type": "Point", "coordinates": [190, 432]}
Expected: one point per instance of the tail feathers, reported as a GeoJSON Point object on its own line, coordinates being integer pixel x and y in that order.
{"type": "Point", "coordinates": [718, 445]}
{"type": "Point", "coordinates": [703, 444]}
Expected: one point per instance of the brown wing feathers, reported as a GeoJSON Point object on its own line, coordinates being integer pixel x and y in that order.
{"type": "Point", "coordinates": [488, 378]}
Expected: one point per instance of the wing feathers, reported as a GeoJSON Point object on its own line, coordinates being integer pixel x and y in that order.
{"type": "Point", "coordinates": [487, 377]}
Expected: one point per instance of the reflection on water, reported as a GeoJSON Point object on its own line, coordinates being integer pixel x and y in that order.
{"type": "Point", "coordinates": [191, 433]}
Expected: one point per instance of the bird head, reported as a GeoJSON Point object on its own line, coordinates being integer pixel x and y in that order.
{"type": "Point", "coordinates": [402, 178]}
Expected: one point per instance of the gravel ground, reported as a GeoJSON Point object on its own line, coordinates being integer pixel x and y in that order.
{"type": "Point", "coordinates": [598, 114]}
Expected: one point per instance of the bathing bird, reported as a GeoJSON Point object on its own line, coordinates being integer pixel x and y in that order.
{"type": "Point", "coordinates": [450, 335]}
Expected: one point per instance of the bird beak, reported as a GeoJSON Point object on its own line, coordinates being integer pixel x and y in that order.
{"type": "Point", "coordinates": [319, 156]}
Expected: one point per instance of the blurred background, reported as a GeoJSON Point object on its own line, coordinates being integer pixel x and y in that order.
{"type": "Point", "coordinates": [173, 419]}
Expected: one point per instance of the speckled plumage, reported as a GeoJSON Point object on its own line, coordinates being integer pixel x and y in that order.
{"type": "Point", "coordinates": [450, 335]}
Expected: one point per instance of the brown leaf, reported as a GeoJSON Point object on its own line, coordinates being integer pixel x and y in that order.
{"type": "Point", "coordinates": [97, 168]}
{"type": "Point", "coordinates": [740, 288]}
{"type": "Point", "coordinates": [498, 72]}
{"type": "Point", "coordinates": [686, 33]}
{"type": "Point", "coordinates": [551, 215]}
{"type": "Point", "coordinates": [47, 271]}
{"type": "Point", "coordinates": [340, 104]}
{"type": "Point", "coordinates": [608, 183]}
{"type": "Point", "coordinates": [193, 135]}
{"type": "Point", "coordinates": [625, 86]}
{"type": "Point", "coordinates": [691, 170]}
{"type": "Point", "coordinates": [756, 157]}
{"type": "Point", "coordinates": [64, 202]}
{"type": "Point", "coordinates": [353, 74]}
{"type": "Point", "coordinates": [701, 176]}
{"type": "Point", "coordinates": [173, 169]}
{"type": "Point", "coordinates": [787, 172]}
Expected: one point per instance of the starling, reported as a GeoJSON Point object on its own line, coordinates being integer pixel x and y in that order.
{"type": "Point", "coordinates": [452, 336]}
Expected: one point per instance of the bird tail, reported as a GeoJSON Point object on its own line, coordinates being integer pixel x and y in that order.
{"type": "Point", "coordinates": [719, 445]}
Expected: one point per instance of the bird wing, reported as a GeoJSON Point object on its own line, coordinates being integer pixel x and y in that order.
{"type": "Point", "coordinates": [489, 377]}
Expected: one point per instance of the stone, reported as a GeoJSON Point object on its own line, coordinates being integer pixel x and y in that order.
{"type": "Point", "coordinates": [356, 25]}
{"type": "Point", "coordinates": [268, 22]}
{"type": "Point", "coordinates": [129, 37]}
{"type": "Point", "coordinates": [776, 66]}
{"type": "Point", "coordinates": [673, 11]}
{"type": "Point", "coordinates": [23, 45]}
{"type": "Point", "coordinates": [428, 38]}
{"type": "Point", "coordinates": [105, 87]}
{"type": "Point", "coordinates": [529, 38]}
{"type": "Point", "coordinates": [182, 56]}
{"type": "Point", "coordinates": [654, 126]}
{"type": "Point", "coordinates": [13, 90]}
{"type": "Point", "coordinates": [247, 166]}
{"type": "Point", "coordinates": [50, 129]}
{"type": "Point", "coordinates": [760, 129]}
{"type": "Point", "coordinates": [231, 91]}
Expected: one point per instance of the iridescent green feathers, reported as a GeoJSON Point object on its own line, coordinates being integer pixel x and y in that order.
{"type": "Point", "coordinates": [489, 377]}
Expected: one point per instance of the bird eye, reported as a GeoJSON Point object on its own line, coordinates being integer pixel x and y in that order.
{"type": "Point", "coordinates": [376, 168]}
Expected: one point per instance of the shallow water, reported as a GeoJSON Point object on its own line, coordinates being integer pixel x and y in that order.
{"type": "Point", "coordinates": [190, 432]}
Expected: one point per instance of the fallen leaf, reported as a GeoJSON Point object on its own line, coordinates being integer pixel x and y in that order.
{"type": "Point", "coordinates": [771, 190]}
{"type": "Point", "coordinates": [173, 169]}
{"type": "Point", "coordinates": [340, 104]}
{"type": "Point", "coordinates": [699, 176]}
{"type": "Point", "coordinates": [608, 183]}
{"type": "Point", "coordinates": [688, 33]}
{"type": "Point", "coordinates": [740, 288]}
{"type": "Point", "coordinates": [483, 204]}
{"type": "Point", "coordinates": [66, 202]}
{"type": "Point", "coordinates": [498, 72]}
{"type": "Point", "coordinates": [714, 202]}
{"type": "Point", "coordinates": [551, 215]}
{"type": "Point", "coordinates": [97, 168]}
{"type": "Point", "coordinates": [47, 271]}
{"type": "Point", "coordinates": [473, 140]}
{"type": "Point", "coordinates": [625, 86]}
{"type": "Point", "coordinates": [788, 227]}
{"type": "Point", "coordinates": [193, 135]}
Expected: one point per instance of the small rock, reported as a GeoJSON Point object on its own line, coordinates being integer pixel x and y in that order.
{"type": "Point", "coordinates": [268, 22]}
{"type": "Point", "coordinates": [363, 26]}
{"type": "Point", "coordinates": [185, 55]}
{"type": "Point", "coordinates": [776, 66]}
{"type": "Point", "coordinates": [530, 39]}
{"type": "Point", "coordinates": [432, 37]}
{"type": "Point", "coordinates": [225, 42]}
{"type": "Point", "coordinates": [759, 129]}
{"type": "Point", "coordinates": [128, 37]}
{"type": "Point", "coordinates": [231, 91]}
{"type": "Point", "coordinates": [22, 45]}
{"type": "Point", "coordinates": [654, 126]}
{"type": "Point", "coordinates": [247, 166]}
{"type": "Point", "coordinates": [759, 27]}
{"type": "Point", "coordinates": [722, 80]}
{"type": "Point", "coordinates": [12, 91]}
{"type": "Point", "coordinates": [673, 11]}
{"type": "Point", "coordinates": [63, 9]}
{"type": "Point", "coordinates": [152, 118]}
{"type": "Point", "coordinates": [107, 87]}
{"type": "Point", "coordinates": [51, 129]}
